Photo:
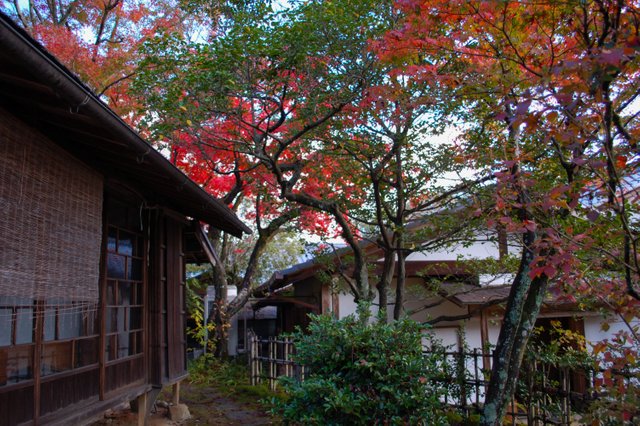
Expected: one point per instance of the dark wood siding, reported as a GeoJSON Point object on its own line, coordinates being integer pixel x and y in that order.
{"type": "Point", "coordinates": [16, 405]}
{"type": "Point", "coordinates": [156, 297]}
{"type": "Point", "coordinates": [176, 342]}
{"type": "Point", "coordinates": [125, 373]}
{"type": "Point", "coordinates": [61, 392]}
{"type": "Point", "coordinates": [167, 301]}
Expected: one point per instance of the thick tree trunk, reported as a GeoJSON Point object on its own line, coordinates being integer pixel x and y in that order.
{"type": "Point", "coordinates": [218, 316]}
{"type": "Point", "coordinates": [522, 309]}
{"type": "Point", "coordinates": [220, 335]}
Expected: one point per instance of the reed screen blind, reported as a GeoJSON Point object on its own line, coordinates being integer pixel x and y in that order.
{"type": "Point", "coordinates": [51, 227]}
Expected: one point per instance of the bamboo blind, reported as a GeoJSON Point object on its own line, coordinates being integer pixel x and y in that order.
{"type": "Point", "coordinates": [51, 211]}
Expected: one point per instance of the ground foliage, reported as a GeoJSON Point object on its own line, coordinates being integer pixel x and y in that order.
{"type": "Point", "coordinates": [361, 372]}
{"type": "Point", "coordinates": [229, 376]}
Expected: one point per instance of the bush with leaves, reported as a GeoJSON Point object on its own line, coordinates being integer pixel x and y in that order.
{"type": "Point", "coordinates": [361, 372]}
{"type": "Point", "coordinates": [617, 385]}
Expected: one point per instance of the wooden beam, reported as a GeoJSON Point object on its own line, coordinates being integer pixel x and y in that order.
{"type": "Point", "coordinates": [103, 301]}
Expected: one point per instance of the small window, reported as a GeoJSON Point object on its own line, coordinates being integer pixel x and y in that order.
{"type": "Point", "coordinates": [18, 361]}
{"type": "Point", "coordinates": [115, 266]}
{"type": "Point", "coordinates": [70, 332]}
{"type": "Point", "coordinates": [24, 326]}
{"type": "Point", "coordinates": [16, 339]}
{"type": "Point", "coordinates": [6, 326]}
{"type": "Point", "coordinates": [70, 324]}
{"type": "Point", "coordinates": [49, 324]}
{"type": "Point", "coordinates": [86, 351]}
{"type": "Point", "coordinates": [134, 269]}
{"type": "Point", "coordinates": [56, 357]}
{"type": "Point", "coordinates": [125, 291]}
{"type": "Point", "coordinates": [126, 243]}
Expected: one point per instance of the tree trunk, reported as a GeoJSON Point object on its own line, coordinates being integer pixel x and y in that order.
{"type": "Point", "coordinates": [385, 282]}
{"type": "Point", "coordinates": [400, 279]}
{"type": "Point", "coordinates": [523, 306]}
{"type": "Point", "coordinates": [220, 335]}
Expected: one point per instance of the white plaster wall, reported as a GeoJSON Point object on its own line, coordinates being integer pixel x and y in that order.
{"type": "Point", "coordinates": [472, 333]}
{"type": "Point", "coordinates": [446, 336]}
{"type": "Point", "coordinates": [233, 336]}
{"type": "Point", "coordinates": [594, 333]}
{"type": "Point", "coordinates": [480, 249]}
{"type": "Point", "coordinates": [493, 330]}
{"type": "Point", "coordinates": [495, 279]}
{"type": "Point", "coordinates": [347, 305]}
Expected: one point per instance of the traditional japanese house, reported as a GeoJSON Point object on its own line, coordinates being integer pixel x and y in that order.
{"type": "Point", "coordinates": [96, 226]}
{"type": "Point", "coordinates": [444, 288]}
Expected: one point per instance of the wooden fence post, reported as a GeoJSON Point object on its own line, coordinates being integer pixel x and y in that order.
{"type": "Point", "coordinates": [252, 358]}
{"type": "Point", "coordinates": [476, 376]}
{"type": "Point", "coordinates": [258, 360]}
{"type": "Point", "coordinates": [272, 364]}
{"type": "Point", "coordinates": [566, 384]}
{"type": "Point", "coordinates": [461, 373]}
{"type": "Point", "coordinates": [286, 357]}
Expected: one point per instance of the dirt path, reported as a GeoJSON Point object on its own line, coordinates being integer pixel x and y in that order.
{"type": "Point", "coordinates": [207, 406]}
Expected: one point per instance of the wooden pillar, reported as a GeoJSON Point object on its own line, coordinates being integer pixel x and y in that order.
{"type": "Point", "coordinates": [37, 358]}
{"type": "Point", "coordinates": [287, 367]}
{"type": "Point", "coordinates": [175, 396]}
{"type": "Point", "coordinates": [484, 339]}
{"type": "Point", "coordinates": [142, 409]}
{"type": "Point", "coordinates": [325, 299]}
{"type": "Point", "coordinates": [252, 359]}
{"type": "Point", "coordinates": [335, 304]}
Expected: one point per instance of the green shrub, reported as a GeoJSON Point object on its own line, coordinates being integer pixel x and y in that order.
{"type": "Point", "coordinates": [359, 373]}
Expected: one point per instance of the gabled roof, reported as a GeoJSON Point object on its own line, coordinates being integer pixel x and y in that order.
{"type": "Point", "coordinates": [42, 92]}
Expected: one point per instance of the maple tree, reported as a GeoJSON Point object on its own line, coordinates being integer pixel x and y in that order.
{"type": "Point", "coordinates": [99, 40]}
{"type": "Point", "coordinates": [241, 112]}
{"type": "Point", "coordinates": [299, 97]}
{"type": "Point", "coordinates": [263, 93]}
{"type": "Point", "coordinates": [294, 104]}
{"type": "Point", "coordinates": [550, 87]}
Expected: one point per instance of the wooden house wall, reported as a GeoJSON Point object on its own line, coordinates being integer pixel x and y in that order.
{"type": "Point", "coordinates": [50, 234]}
{"type": "Point", "coordinates": [167, 301]}
{"type": "Point", "coordinates": [107, 264]}
{"type": "Point", "coordinates": [124, 297]}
